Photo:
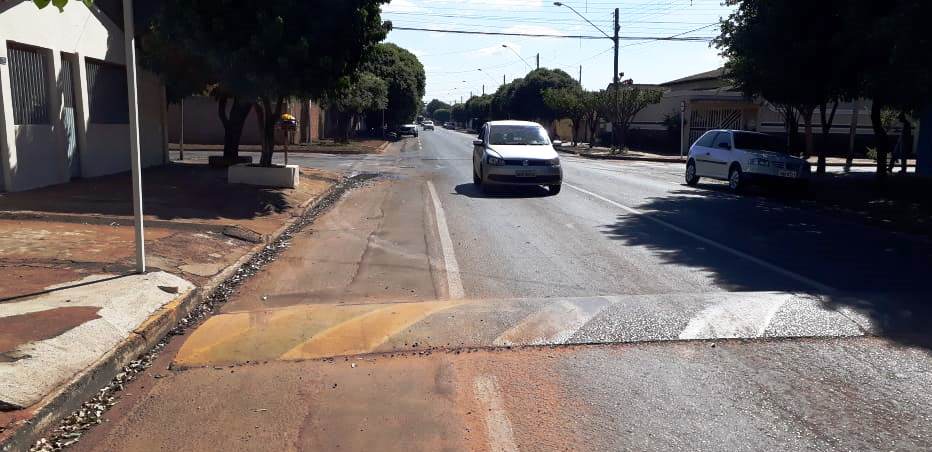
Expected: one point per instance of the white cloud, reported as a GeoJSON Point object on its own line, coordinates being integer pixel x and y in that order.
{"type": "Point", "coordinates": [494, 50]}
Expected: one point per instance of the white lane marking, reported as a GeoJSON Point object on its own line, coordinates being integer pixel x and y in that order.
{"type": "Point", "coordinates": [735, 318]}
{"type": "Point", "coordinates": [554, 324]}
{"type": "Point", "coordinates": [454, 280]}
{"type": "Point", "coordinates": [800, 278]}
{"type": "Point", "coordinates": [498, 427]}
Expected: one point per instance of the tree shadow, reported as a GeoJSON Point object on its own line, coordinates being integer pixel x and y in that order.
{"type": "Point", "coordinates": [470, 190]}
{"type": "Point", "coordinates": [853, 264]}
{"type": "Point", "coordinates": [171, 192]}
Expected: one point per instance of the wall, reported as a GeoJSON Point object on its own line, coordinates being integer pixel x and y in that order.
{"type": "Point", "coordinates": [202, 122]}
{"type": "Point", "coordinates": [36, 155]}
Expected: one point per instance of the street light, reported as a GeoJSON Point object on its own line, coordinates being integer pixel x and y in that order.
{"type": "Point", "coordinates": [518, 54]}
{"type": "Point", "coordinates": [614, 38]}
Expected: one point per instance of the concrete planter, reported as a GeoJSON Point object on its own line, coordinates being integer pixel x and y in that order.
{"type": "Point", "coordinates": [264, 176]}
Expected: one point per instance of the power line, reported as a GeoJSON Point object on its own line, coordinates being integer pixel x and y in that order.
{"type": "Point", "coordinates": [541, 35]}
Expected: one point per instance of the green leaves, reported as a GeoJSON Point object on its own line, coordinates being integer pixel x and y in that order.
{"type": "Point", "coordinates": [60, 4]}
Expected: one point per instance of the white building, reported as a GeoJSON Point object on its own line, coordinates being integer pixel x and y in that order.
{"type": "Point", "coordinates": [63, 96]}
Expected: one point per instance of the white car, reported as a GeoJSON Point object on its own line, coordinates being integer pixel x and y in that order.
{"type": "Point", "coordinates": [516, 153]}
{"type": "Point", "coordinates": [742, 157]}
{"type": "Point", "coordinates": [428, 125]}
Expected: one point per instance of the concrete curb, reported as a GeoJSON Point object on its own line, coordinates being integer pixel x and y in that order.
{"type": "Point", "coordinates": [70, 396]}
{"type": "Point", "coordinates": [681, 160]}
{"type": "Point", "coordinates": [622, 157]}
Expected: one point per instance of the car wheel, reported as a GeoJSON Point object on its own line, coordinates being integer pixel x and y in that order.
{"type": "Point", "coordinates": [476, 180]}
{"type": "Point", "coordinates": [691, 177]}
{"type": "Point", "coordinates": [555, 189]}
{"type": "Point", "coordinates": [736, 179]}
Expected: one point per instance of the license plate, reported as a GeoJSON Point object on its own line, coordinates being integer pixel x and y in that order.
{"type": "Point", "coordinates": [785, 173]}
{"type": "Point", "coordinates": [525, 173]}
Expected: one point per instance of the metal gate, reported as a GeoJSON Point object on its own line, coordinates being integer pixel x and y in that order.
{"type": "Point", "coordinates": [71, 137]}
{"type": "Point", "coordinates": [703, 120]}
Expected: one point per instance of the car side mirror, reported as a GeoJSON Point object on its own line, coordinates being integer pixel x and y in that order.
{"type": "Point", "coordinates": [724, 146]}
{"type": "Point", "coordinates": [477, 142]}
{"type": "Point", "coordinates": [557, 143]}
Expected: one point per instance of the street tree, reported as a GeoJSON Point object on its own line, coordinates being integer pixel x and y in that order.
{"type": "Point", "coordinates": [592, 104]}
{"type": "Point", "coordinates": [527, 98]}
{"type": "Point", "coordinates": [894, 71]}
{"type": "Point", "coordinates": [442, 115]}
{"type": "Point", "coordinates": [567, 103]}
{"type": "Point", "coordinates": [622, 102]}
{"type": "Point", "coordinates": [458, 113]}
{"type": "Point", "coordinates": [405, 77]}
{"type": "Point", "coordinates": [479, 109]}
{"type": "Point", "coordinates": [353, 97]}
{"type": "Point", "coordinates": [795, 54]}
{"type": "Point", "coordinates": [435, 105]}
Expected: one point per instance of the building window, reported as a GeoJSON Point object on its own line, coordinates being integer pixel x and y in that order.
{"type": "Point", "coordinates": [29, 80]}
{"type": "Point", "coordinates": [107, 93]}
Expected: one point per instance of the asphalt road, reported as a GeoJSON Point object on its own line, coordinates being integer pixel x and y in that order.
{"type": "Point", "coordinates": [630, 312]}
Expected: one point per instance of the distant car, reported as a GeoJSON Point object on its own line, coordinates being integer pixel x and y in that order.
{"type": "Point", "coordinates": [742, 157]}
{"type": "Point", "coordinates": [516, 153]}
{"type": "Point", "coordinates": [407, 129]}
{"type": "Point", "coordinates": [449, 125]}
{"type": "Point", "coordinates": [428, 125]}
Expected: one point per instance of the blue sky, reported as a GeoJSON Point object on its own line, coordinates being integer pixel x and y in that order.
{"type": "Point", "coordinates": [452, 61]}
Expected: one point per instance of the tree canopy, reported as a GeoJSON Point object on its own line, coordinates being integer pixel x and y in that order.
{"type": "Point", "coordinates": [435, 105]}
{"type": "Point", "coordinates": [268, 50]}
{"type": "Point", "coordinates": [527, 99]}
{"type": "Point", "coordinates": [405, 77]}
{"type": "Point", "coordinates": [801, 54]}
{"type": "Point", "coordinates": [442, 114]}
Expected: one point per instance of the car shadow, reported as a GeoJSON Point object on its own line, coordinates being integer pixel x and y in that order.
{"type": "Point", "coordinates": [521, 191]}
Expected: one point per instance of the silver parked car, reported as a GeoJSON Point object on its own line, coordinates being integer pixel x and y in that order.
{"type": "Point", "coordinates": [742, 157]}
{"type": "Point", "coordinates": [516, 153]}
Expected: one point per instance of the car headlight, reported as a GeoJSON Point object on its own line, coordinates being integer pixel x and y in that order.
{"type": "Point", "coordinates": [495, 161]}
{"type": "Point", "coordinates": [760, 162]}
{"type": "Point", "coordinates": [554, 162]}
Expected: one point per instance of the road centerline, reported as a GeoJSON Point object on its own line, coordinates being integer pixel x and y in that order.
{"type": "Point", "coordinates": [760, 262]}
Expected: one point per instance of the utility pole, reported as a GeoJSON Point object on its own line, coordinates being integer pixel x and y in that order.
{"type": "Point", "coordinates": [483, 89]}
{"type": "Point", "coordinates": [538, 61]}
{"type": "Point", "coordinates": [129, 43]}
{"type": "Point", "coordinates": [580, 75]}
{"type": "Point", "coordinates": [503, 80]}
{"type": "Point", "coordinates": [615, 40]}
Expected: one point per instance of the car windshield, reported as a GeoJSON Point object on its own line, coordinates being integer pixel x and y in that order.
{"type": "Point", "coordinates": [759, 142]}
{"type": "Point", "coordinates": [518, 135]}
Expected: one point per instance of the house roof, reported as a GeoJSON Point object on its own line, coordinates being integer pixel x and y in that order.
{"type": "Point", "coordinates": [708, 75]}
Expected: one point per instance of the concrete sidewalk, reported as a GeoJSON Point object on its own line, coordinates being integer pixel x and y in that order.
{"type": "Point", "coordinates": [72, 312]}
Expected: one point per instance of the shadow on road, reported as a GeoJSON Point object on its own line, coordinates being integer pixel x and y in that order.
{"type": "Point", "coordinates": [472, 191]}
{"type": "Point", "coordinates": [882, 274]}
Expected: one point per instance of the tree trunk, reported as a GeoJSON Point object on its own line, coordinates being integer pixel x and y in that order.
{"type": "Point", "coordinates": [906, 148]}
{"type": "Point", "coordinates": [880, 137]}
{"type": "Point", "coordinates": [233, 124]}
{"type": "Point", "coordinates": [807, 113]}
{"type": "Point", "coordinates": [791, 125]}
{"type": "Point", "coordinates": [622, 135]}
{"type": "Point", "coordinates": [269, 117]}
{"type": "Point", "coordinates": [827, 121]}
